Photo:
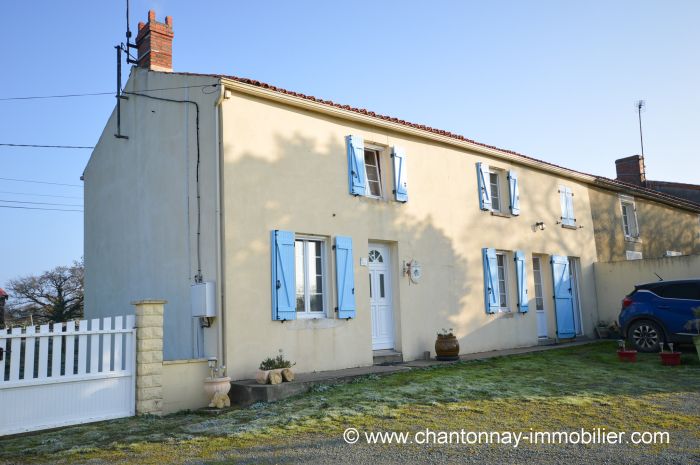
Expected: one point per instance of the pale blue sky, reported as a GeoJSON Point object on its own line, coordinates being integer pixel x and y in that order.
{"type": "Point", "coordinates": [554, 80]}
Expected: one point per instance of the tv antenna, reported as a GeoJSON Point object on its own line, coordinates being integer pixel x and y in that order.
{"type": "Point", "coordinates": [126, 48]}
{"type": "Point", "coordinates": [640, 106]}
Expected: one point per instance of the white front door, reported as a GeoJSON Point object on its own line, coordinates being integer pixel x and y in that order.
{"type": "Point", "coordinates": [380, 297]}
{"type": "Point", "coordinates": [539, 298]}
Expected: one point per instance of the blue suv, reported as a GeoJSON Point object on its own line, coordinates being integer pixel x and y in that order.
{"type": "Point", "coordinates": [657, 312]}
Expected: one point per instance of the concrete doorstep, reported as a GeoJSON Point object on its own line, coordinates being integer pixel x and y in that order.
{"type": "Point", "coordinates": [248, 391]}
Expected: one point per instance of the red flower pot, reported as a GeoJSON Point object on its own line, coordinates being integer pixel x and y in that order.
{"type": "Point", "coordinates": [670, 358]}
{"type": "Point", "coordinates": [627, 355]}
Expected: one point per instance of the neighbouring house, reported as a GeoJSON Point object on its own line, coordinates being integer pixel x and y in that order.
{"type": "Point", "coordinates": [632, 170]}
{"type": "Point", "coordinates": [633, 222]}
{"type": "Point", "coordinates": [270, 219]}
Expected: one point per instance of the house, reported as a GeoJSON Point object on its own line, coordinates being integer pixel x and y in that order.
{"type": "Point", "coordinates": [632, 221]}
{"type": "Point", "coordinates": [273, 220]}
{"type": "Point", "coordinates": [632, 171]}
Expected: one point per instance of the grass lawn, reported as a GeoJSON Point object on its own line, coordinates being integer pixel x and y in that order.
{"type": "Point", "coordinates": [564, 389]}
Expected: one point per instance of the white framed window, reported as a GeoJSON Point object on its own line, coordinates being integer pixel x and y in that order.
{"type": "Point", "coordinates": [633, 255]}
{"type": "Point", "coordinates": [630, 226]}
{"type": "Point", "coordinates": [495, 183]}
{"type": "Point", "coordinates": [311, 272]}
{"type": "Point", "coordinates": [537, 272]}
{"type": "Point", "coordinates": [502, 262]}
{"type": "Point", "coordinates": [373, 171]}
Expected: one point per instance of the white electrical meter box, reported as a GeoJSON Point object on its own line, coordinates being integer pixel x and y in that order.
{"type": "Point", "coordinates": [203, 298]}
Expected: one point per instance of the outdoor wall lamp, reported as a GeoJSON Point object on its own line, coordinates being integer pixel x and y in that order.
{"type": "Point", "coordinates": [540, 225]}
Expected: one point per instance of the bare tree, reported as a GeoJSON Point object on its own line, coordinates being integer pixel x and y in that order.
{"type": "Point", "coordinates": [54, 296]}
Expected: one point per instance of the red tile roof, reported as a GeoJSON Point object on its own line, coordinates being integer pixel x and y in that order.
{"type": "Point", "coordinates": [599, 179]}
{"type": "Point", "coordinates": [3, 293]}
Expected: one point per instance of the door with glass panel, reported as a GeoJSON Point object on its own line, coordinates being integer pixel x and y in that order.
{"type": "Point", "coordinates": [380, 297]}
{"type": "Point", "coordinates": [539, 298]}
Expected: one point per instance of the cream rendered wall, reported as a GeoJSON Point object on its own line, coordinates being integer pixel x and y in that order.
{"type": "Point", "coordinates": [286, 168]}
{"type": "Point", "coordinates": [661, 228]}
{"type": "Point", "coordinates": [140, 208]}
{"type": "Point", "coordinates": [183, 385]}
{"type": "Point", "coordinates": [614, 280]}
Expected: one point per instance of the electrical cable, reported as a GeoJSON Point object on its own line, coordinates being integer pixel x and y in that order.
{"type": "Point", "coordinates": [40, 182]}
{"type": "Point", "coordinates": [47, 146]}
{"type": "Point", "coordinates": [39, 208]}
{"type": "Point", "coordinates": [92, 94]}
{"type": "Point", "coordinates": [198, 277]}
{"type": "Point", "coordinates": [43, 203]}
{"type": "Point", "coordinates": [41, 195]}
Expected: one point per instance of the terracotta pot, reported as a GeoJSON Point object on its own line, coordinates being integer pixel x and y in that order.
{"type": "Point", "coordinates": [446, 347]}
{"type": "Point", "coordinates": [627, 355]}
{"type": "Point", "coordinates": [670, 358]}
{"type": "Point", "coordinates": [217, 388]}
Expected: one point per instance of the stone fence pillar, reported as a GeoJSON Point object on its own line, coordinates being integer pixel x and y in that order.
{"type": "Point", "coordinates": [149, 356]}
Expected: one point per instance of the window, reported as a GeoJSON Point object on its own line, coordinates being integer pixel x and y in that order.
{"type": "Point", "coordinates": [537, 271]}
{"type": "Point", "coordinates": [374, 173]}
{"type": "Point", "coordinates": [629, 219]}
{"type": "Point", "coordinates": [310, 270]}
{"type": "Point", "coordinates": [494, 181]}
{"type": "Point", "coordinates": [502, 280]}
{"type": "Point", "coordinates": [679, 291]}
{"type": "Point", "coordinates": [633, 255]}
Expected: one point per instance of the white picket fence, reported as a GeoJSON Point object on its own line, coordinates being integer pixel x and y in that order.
{"type": "Point", "coordinates": [67, 373]}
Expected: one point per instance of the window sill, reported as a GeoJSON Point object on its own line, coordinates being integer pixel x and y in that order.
{"type": "Point", "coordinates": [635, 240]}
{"type": "Point", "coordinates": [568, 226]}
{"type": "Point", "coordinates": [500, 214]}
{"type": "Point", "coordinates": [311, 316]}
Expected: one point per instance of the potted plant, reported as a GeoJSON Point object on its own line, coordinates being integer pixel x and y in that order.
{"type": "Point", "coordinates": [614, 331]}
{"type": "Point", "coordinates": [625, 355]}
{"type": "Point", "coordinates": [275, 370]}
{"type": "Point", "coordinates": [695, 324]}
{"type": "Point", "coordinates": [602, 330]}
{"type": "Point", "coordinates": [670, 358]}
{"type": "Point", "coordinates": [446, 346]}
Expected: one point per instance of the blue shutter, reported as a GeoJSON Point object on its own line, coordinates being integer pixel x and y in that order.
{"type": "Point", "coordinates": [570, 207]}
{"type": "Point", "coordinates": [521, 276]}
{"type": "Point", "coordinates": [482, 173]}
{"type": "Point", "coordinates": [566, 200]}
{"type": "Point", "coordinates": [563, 299]}
{"type": "Point", "coordinates": [283, 276]}
{"type": "Point", "coordinates": [491, 290]}
{"type": "Point", "coordinates": [345, 277]}
{"type": "Point", "coordinates": [356, 164]}
{"type": "Point", "coordinates": [400, 179]}
{"type": "Point", "coordinates": [514, 193]}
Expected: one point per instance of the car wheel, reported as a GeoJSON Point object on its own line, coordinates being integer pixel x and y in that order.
{"type": "Point", "coordinates": [645, 335]}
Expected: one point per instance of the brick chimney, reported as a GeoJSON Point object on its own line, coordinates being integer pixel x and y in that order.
{"type": "Point", "coordinates": [631, 170]}
{"type": "Point", "coordinates": [155, 44]}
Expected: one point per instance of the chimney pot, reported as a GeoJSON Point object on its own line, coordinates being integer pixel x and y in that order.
{"type": "Point", "coordinates": [154, 42]}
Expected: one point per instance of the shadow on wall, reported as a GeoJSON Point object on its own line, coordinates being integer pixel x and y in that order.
{"type": "Point", "coordinates": [661, 228]}
{"type": "Point", "coordinates": [324, 207]}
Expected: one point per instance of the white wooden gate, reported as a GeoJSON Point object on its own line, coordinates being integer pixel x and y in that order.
{"type": "Point", "coordinates": [67, 374]}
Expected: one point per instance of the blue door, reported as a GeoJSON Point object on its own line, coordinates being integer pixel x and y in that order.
{"type": "Point", "coordinates": [563, 297]}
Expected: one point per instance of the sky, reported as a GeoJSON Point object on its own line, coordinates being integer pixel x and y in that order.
{"type": "Point", "coordinates": [554, 80]}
